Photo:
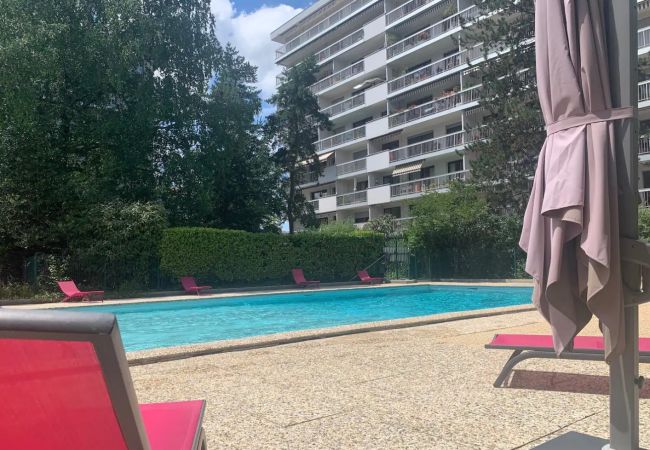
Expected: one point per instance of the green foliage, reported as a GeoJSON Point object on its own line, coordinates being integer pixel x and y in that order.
{"type": "Point", "coordinates": [461, 236]}
{"type": "Point", "coordinates": [338, 227]}
{"type": "Point", "coordinates": [123, 102]}
{"type": "Point", "coordinates": [386, 225]}
{"type": "Point", "coordinates": [505, 162]}
{"type": "Point", "coordinates": [238, 257]}
{"type": "Point", "coordinates": [292, 131]}
{"type": "Point", "coordinates": [118, 244]}
{"type": "Point", "coordinates": [644, 224]}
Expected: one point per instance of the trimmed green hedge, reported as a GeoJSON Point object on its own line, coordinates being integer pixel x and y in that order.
{"type": "Point", "coordinates": [239, 257]}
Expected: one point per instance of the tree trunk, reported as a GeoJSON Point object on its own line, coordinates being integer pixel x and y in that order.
{"type": "Point", "coordinates": [291, 201]}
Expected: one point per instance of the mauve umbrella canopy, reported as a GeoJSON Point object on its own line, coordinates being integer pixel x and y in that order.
{"type": "Point", "coordinates": [570, 228]}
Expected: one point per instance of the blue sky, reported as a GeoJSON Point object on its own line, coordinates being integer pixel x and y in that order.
{"type": "Point", "coordinates": [247, 24]}
{"type": "Point", "coordinates": [252, 5]}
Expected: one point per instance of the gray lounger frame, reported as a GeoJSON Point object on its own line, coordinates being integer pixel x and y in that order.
{"type": "Point", "coordinates": [520, 354]}
{"type": "Point", "coordinates": [102, 331]}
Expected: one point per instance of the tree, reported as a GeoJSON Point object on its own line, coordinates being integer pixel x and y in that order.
{"type": "Point", "coordinates": [505, 163]}
{"type": "Point", "coordinates": [386, 225]}
{"type": "Point", "coordinates": [292, 131]}
{"type": "Point", "coordinates": [462, 234]}
{"type": "Point", "coordinates": [229, 178]}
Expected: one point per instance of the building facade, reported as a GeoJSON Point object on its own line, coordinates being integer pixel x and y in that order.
{"type": "Point", "coordinates": [402, 95]}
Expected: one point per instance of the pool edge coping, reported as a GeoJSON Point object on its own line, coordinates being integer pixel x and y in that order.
{"type": "Point", "coordinates": [167, 354]}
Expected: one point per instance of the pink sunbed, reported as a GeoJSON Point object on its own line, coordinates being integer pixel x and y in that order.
{"type": "Point", "coordinates": [72, 292]}
{"type": "Point", "coordinates": [300, 280]}
{"type": "Point", "coordinates": [190, 286]}
{"type": "Point", "coordinates": [526, 346]}
{"type": "Point", "coordinates": [66, 385]}
{"type": "Point", "coordinates": [367, 279]}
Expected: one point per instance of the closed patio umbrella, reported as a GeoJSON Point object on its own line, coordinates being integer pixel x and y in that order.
{"type": "Point", "coordinates": [584, 194]}
{"type": "Point", "coordinates": [571, 232]}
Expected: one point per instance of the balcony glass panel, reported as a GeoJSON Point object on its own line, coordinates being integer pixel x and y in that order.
{"type": "Point", "coordinates": [352, 166]}
{"type": "Point", "coordinates": [426, 184]}
{"type": "Point", "coordinates": [341, 138]}
{"type": "Point", "coordinates": [336, 47]}
{"type": "Point", "coordinates": [644, 91]}
{"type": "Point", "coordinates": [644, 37]}
{"type": "Point", "coordinates": [345, 105]}
{"type": "Point", "coordinates": [337, 77]}
{"type": "Point", "coordinates": [434, 107]}
{"type": "Point", "coordinates": [432, 32]}
{"type": "Point", "coordinates": [351, 198]}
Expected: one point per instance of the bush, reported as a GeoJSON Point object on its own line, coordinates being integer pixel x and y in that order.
{"type": "Point", "coordinates": [644, 224]}
{"type": "Point", "coordinates": [117, 245]}
{"type": "Point", "coordinates": [239, 257]}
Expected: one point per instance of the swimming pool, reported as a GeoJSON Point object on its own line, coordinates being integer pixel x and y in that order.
{"type": "Point", "coordinates": [167, 324]}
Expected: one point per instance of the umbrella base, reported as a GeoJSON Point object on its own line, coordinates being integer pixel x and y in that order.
{"type": "Point", "coordinates": [575, 441]}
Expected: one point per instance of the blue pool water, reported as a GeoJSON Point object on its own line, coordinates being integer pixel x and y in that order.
{"type": "Point", "coordinates": [167, 324]}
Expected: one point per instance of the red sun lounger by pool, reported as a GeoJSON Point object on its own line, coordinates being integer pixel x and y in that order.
{"type": "Point", "coordinates": [72, 292]}
{"type": "Point", "coordinates": [367, 279]}
{"type": "Point", "coordinates": [526, 346]}
{"type": "Point", "coordinates": [189, 284]}
{"type": "Point", "coordinates": [65, 384]}
{"type": "Point", "coordinates": [300, 280]}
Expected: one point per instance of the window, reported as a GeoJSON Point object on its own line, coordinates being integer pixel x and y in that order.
{"type": "Point", "coordinates": [395, 212]}
{"type": "Point", "coordinates": [419, 101]}
{"type": "Point", "coordinates": [417, 66]}
{"type": "Point", "coordinates": [319, 194]}
{"type": "Point", "coordinates": [361, 217]}
{"type": "Point", "coordinates": [360, 154]}
{"type": "Point", "coordinates": [420, 138]}
{"type": "Point", "coordinates": [427, 172]}
{"type": "Point", "coordinates": [362, 185]}
{"type": "Point", "coordinates": [646, 179]}
{"type": "Point", "coordinates": [322, 220]}
{"type": "Point", "coordinates": [455, 128]}
{"type": "Point", "coordinates": [455, 166]}
{"type": "Point", "coordinates": [361, 122]}
{"type": "Point", "coordinates": [390, 145]}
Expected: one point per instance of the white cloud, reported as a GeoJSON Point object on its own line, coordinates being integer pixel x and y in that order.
{"type": "Point", "coordinates": [250, 34]}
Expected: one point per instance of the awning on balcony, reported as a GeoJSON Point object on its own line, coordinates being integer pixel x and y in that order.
{"type": "Point", "coordinates": [321, 158]}
{"type": "Point", "coordinates": [403, 169]}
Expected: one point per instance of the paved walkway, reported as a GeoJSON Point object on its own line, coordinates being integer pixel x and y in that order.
{"type": "Point", "coordinates": [428, 387]}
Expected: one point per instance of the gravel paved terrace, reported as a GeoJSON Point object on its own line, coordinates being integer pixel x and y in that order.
{"type": "Point", "coordinates": [428, 387]}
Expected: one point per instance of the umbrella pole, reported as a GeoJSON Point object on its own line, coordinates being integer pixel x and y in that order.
{"type": "Point", "coordinates": [621, 22]}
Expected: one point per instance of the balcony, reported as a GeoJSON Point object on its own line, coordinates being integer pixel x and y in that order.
{"type": "Point", "coordinates": [644, 37]}
{"type": "Point", "coordinates": [339, 46]}
{"type": "Point", "coordinates": [645, 198]}
{"type": "Point", "coordinates": [307, 177]}
{"type": "Point", "coordinates": [315, 204]}
{"type": "Point", "coordinates": [341, 138]}
{"type": "Point", "coordinates": [438, 144]}
{"type": "Point", "coordinates": [426, 184]}
{"type": "Point", "coordinates": [644, 145]}
{"type": "Point", "coordinates": [330, 21]}
{"type": "Point", "coordinates": [405, 9]}
{"type": "Point", "coordinates": [437, 106]}
{"type": "Point", "coordinates": [433, 69]}
{"type": "Point", "coordinates": [432, 32]}
{"type": "Point", "coordinates": [337, 77]}
{"type": "Point", "coordinates": [644, 91]}
{"type": "Point", "coordinates": [345, 105]}
{"type": "Point", "coordinates": [350, 167]}
{"type": "Point", "coordinates": [352, 198]}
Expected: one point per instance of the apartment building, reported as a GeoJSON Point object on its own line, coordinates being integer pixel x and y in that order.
{"type": "Point", "coordinates": [402, 95]}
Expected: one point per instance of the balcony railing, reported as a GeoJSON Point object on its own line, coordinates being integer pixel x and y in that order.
{"type": "Point", "coordinates": [644, 37]}
{"type": "Point", "coordinates": [433, 69]}
{"type": "Point", "coordinates": [341, 138]}
{"type": "Point", "coordinates": [644, 145]}
{"type": "Point", "coordinates": [345, 105]}
{"type": "Point", "coordinates": [432, 32]}
{"type": "Point", "coordinates": [315, 204]}
{"type": "Point", "coordinates": [426, 184]}
{"type": "Point", "coordinates": [438, 144]}
{"type": "Point", "coordinates": [352, 166]}
{"type": "Point", "coordinates": [405, 9]}
{"type": "Point", "coordinates": [645, 197]}
{"type": "Point", "coordinates": [644, 91]}
{"type": "Point", "coordinates": [434, 107]}
{"type": "Point", "coordinates": [336, 47]}
{"type": "Point", "coordinates": [351, 198]}
{"type": "Point", "coordinates": [307, 177]}
{"type": "Point", "coordinates": [337, 77]}
{"type": "Point", "coordinates": [321, 26]}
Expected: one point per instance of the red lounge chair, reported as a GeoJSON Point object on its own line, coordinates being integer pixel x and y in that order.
{"type": "Point", "coordinates": [72, 292]}
{"type": "Point", "coordinates": [300, 280]}
{"type": "Point", "coordinates": [526, 346]}
{"type": "Point", "coordinates": [189, 284]}
{"type": "Point", "coordinates": [66, 385]}
{"type": "Point", "coordinates": [367, 279]}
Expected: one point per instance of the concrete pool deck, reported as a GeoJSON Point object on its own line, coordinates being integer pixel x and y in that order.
{"type": "Point", "coordinates": [425, 387]}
